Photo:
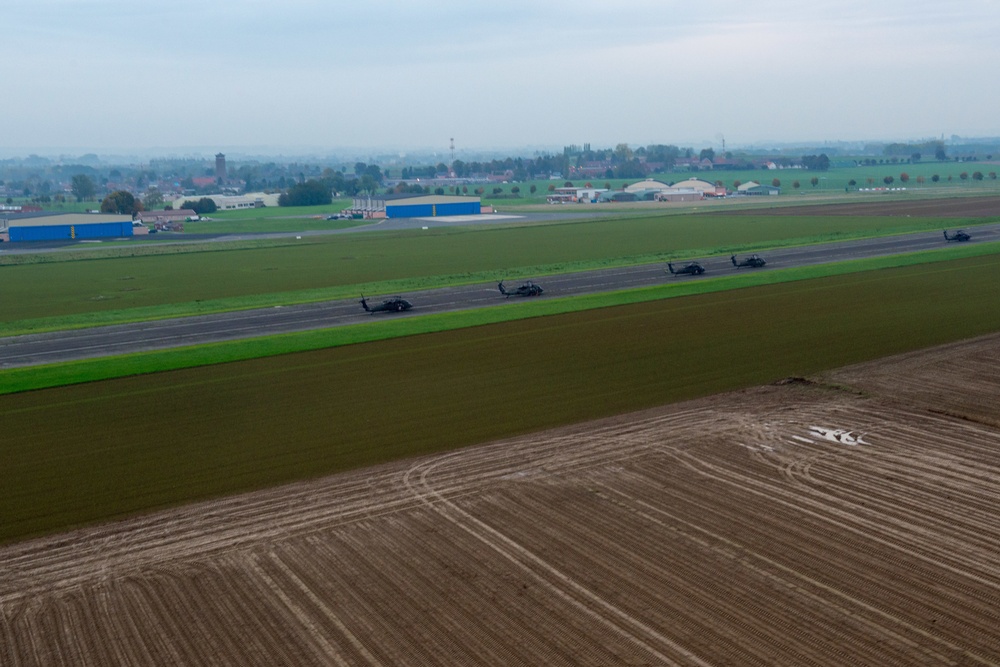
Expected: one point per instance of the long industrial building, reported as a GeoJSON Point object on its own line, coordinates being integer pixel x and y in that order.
{"type": "Point", "coordinates": [48, 226]}
{"type": "Point", "coordinates": [414, 206]}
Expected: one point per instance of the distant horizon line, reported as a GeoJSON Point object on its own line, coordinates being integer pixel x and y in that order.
{"type": "Point", "coordinates": [313, 151]}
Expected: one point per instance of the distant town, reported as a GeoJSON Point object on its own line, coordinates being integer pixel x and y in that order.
{"type": "Point", "coordinates": [579, 173]}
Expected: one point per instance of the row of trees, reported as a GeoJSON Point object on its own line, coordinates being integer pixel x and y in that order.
{"type": "Point", "coordinates": [125, 203]}
{"type": "Point", "coordinates": [82, 187]}
{"type": "Point", "coordinates": [319, 191]}
{"type": "Point", "coordinates": [903, 178]}
{"type": "Point", "coordinates": [121, 202]}
{"type": "Point", "coordinates": [202, 206]}
{"type": "Point", "coordinates": [309, 193]}
{"type": "Point", "coordinates": [816, 162]}
{"type": "Point", "coordinates": [664, 154]}
{"type": "Point", "coordinates": [917, 151]}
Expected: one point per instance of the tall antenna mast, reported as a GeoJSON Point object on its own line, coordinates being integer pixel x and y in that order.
{"type": "Point", "coordinates": [452, 150]}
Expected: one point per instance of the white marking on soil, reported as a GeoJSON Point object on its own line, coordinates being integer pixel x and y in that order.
{"type": "Point", "coordinates": [805, 440]}
{"type": "Point", "coordinates": [839, 435]}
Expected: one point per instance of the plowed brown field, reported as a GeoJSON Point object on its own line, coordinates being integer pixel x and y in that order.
{"type": "Point", "coordinates": [957, 207]}
{"type": "Point", "coordinates": [854, 520]}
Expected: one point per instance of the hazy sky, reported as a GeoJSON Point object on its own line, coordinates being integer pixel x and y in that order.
{"type": "Point", "coordinates": [108, 75]}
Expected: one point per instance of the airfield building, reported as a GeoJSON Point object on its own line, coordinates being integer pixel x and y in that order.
{"type": "Point", "coordinates": [414, 206]}
{"type": "Point", "coordinates": [617, 196]}
{"type": "Point", "coordinates": [679, 194]}
{"type": "Point", "coordinates": [685, 191]}
{"type": "Point", "coordinates": [707, 189]}
{"type": "Point", "coordinates": [648, 184]}
{"type": "Point", "coordinates": [47, 226]}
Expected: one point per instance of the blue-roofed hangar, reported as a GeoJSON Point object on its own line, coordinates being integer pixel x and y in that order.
{"type": "Point", "coordinates": [415, 206]}
{"type": "Point", "coordinates": [43, 226]}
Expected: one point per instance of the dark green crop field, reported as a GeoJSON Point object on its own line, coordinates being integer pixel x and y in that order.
{"type": "Point", "coordinates": [57, 294]}
{"type": "Point", "coordinates": [95, 451]}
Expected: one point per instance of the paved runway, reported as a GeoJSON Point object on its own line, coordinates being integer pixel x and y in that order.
{"type": "Point", "coordinates": [64, 346]}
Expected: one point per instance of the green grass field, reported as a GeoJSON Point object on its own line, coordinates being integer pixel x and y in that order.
{"type": "Point", "coordinates": [273, 219]}
{"type": "Point", "coordinates": [269, 225]}
{"type": "Point", "coordinates": [95, 451]}
{"type": "Point", "coordinates": [215, 277]}
{"type": "Point", "coordinates": [833, 181]}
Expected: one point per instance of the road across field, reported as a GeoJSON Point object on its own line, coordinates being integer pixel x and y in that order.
{"type": "Point", "coordinates": [63, 346]}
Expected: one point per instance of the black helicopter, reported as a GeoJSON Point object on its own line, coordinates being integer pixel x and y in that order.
{"type": "Point", "coordinates": [753, 261]}
{"type": "Point", "coordinates": [692, 268]}
{"type": "Point", "coordinates": [959, 236]}
{"type": "Point", "coordinates": [525, 289]}
{"type": "Point", "coordinates": [394, 305]}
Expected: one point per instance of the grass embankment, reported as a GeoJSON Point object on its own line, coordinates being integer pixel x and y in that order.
{"type": "Point", "coordinates": [217, 277]}
{"type": "Point", "coordinates": [91, 452]}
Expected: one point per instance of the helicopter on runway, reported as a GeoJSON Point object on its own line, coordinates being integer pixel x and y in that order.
{"type": "Point", "coordinates": [754, 261]}
{"type": "Point", "coordinates": [393, 305]}
{"type": "Point", "coordinates": [959, 236]}
{"type": "Point", "coordinates": [692, 268]}
{"type": "Point", "coordinates": [525, 289]}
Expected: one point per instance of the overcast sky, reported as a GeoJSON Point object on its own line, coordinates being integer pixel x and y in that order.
{"type": "Point", "coordinates": [108, 75]}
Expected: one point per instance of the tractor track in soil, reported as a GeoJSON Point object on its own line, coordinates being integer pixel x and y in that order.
{"type": "Point", "coordinates": [728, 530]}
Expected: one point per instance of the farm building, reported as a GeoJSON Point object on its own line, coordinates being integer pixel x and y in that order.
{"type": "Point", "coordinates": [706, 188]}
{"type": "Point", "coordinates": [233, 202]}
{"type": "Point", "coordinates": [574, 195]}
{"type": "Point", "coordinates": [752, 188]}
{"type": "Point", "coordinates": [414, 206]}
{"type": "Point", "coordinates": [64, 226]}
